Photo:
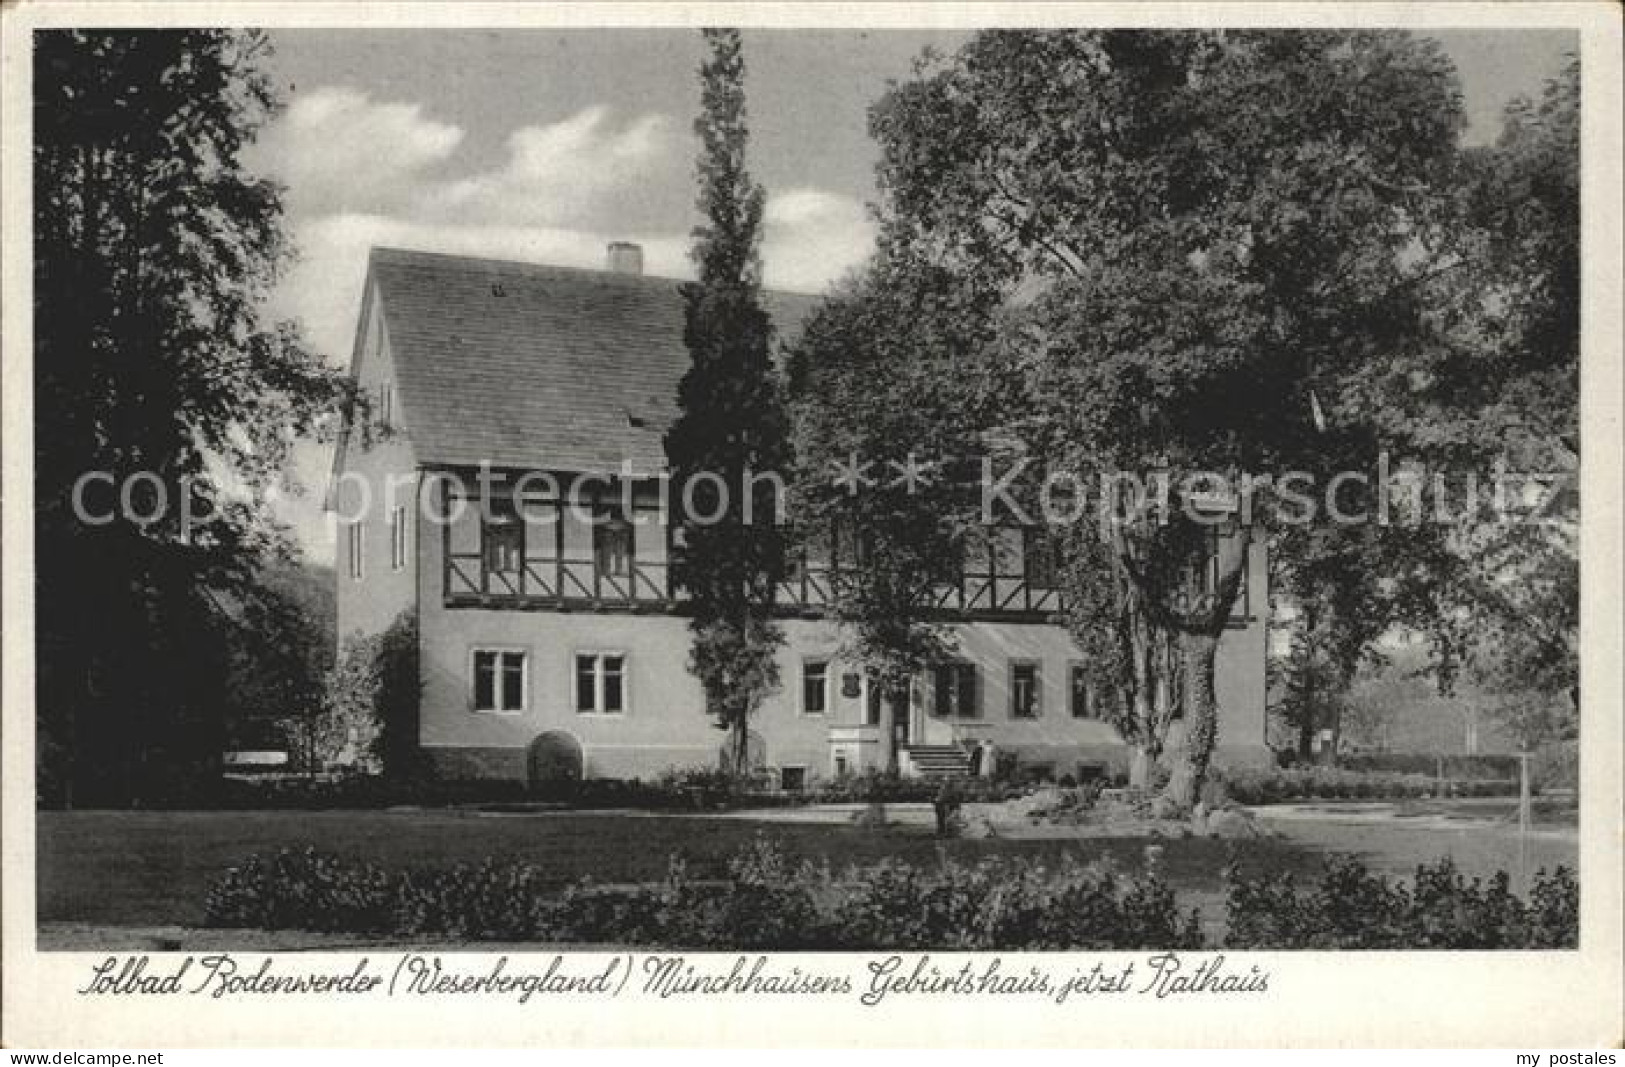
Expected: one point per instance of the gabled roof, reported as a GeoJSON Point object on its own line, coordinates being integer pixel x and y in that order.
{"type": "Point", "coordinates": [538, 367]}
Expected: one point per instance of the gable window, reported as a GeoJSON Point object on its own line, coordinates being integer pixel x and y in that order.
{"type": "Point", "coordinates": [1081, 693]}
{"type": "Point", "coordinates": [954, 691]}
{"type": "Point", "coordinates": [1024, 691]}
{"type": "Point", "coordinates": [612, 545]}
{"type": "Point", "coordinates": [397, 538]}
{"type": "Point", "coordinates": [600, 682]}
{"type": "Point", "coordinates": [354, 549]}
{"type": "Point", "coordinates": [814, 686]}
{"type": "Point", "coordinates": [499, 679]}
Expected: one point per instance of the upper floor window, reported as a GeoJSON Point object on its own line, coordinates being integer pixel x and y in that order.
{"type": "Point", "coordinates": [397, 538]}
{"type": "Point", "coordinates": [502, 538]}
{"type": "Point", "coordinates": [354, 550]}
{"type": "Point", "coordinates": [955, 691]}
{"type": "Point", "coordinates": [612, 544]}
{"type": "Point", "coordinates": [600, 682]}
{"type": "Point", "coordinates": [1025, 699]}
{"type": "Point", "coordinates": [499, 679]}
{"type": "Point", "coordinates": [814, 686]}
{"type": "Point", "coordinates": [386, 404]}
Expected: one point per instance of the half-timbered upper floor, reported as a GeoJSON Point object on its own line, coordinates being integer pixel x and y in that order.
{"type": "Point", "coordinates": [603, 547]}
{"type": "Point", "coordinates": [480, 365]}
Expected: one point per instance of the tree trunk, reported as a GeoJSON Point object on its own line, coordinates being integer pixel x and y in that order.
{"type": "Point", "coordinates": [1198, 654]}
{"type": "Point", "coordinates": [741, 746]}
{"type": "Point", "coordinates": [1139, 768]}
{"type": "Point", "coordinates": [1306, 731]}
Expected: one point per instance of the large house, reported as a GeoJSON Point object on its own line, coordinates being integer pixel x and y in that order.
{"type": "Point", "coordinates": [551, 640]}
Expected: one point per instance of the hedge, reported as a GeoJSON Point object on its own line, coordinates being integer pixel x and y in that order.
{"type": "Point", "coordinates": [764, 901]}
{"type": "Point", "coordinates": [1275, 785]}
{"type": "Point", "coordinates": [675, 790]}
{"type": "Point", "coordinates": [767, 901]}
{"type": "Point", "coordinates": [1440, 908]}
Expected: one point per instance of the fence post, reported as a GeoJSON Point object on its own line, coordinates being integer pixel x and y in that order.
{"type": "Point", "coordinates": [1523, 821]}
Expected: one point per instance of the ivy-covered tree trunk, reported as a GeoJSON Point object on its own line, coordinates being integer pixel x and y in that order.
{"type": "Point", "coordinates": [1198, 659]}
{"type": "Point", "coordinates": [1199, 635]}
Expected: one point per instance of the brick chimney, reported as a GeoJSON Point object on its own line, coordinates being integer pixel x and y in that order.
{"type": "Point", "coordinates": [625, 257]}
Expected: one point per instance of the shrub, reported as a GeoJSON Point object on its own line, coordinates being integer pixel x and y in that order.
{"type": "Point", "coordinates": [1069, 806]}
{"type": "Point", "coordinates": [494, 901]}
{"type": "Point", "coordinates": [1273, 786]}
{"type": "Point", "coordinates": [1354, 908]}
{"type": "Point", "coordinates": [1007, 904]}
{"type": "Point", "coordinates": [765, 901]}
{"type": "Point", "coordinates": [305, 890]}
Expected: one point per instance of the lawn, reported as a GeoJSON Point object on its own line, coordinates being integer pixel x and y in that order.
{"type": "Point", "coordinates": [115, 868]}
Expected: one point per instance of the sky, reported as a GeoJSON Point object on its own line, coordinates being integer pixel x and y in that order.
{"type": "Point", "coordinates": [545, 145]}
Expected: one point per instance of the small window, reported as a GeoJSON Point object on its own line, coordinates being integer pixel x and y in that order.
{"type": "Point", "coordinates": [386, 404]}
{"type": "Point", "coordinates": [600, 683]}
{"type": "Point", "coordinates": [814, 686]}
{"type": "Point", "coordinates": [954, 695]}
{"type": "Point", "coordinates": [499, 680]}
{"type": "Point", "coordinates": [397, 539]}
{"type": "Point", "coordinates": [612, 545]}
{"type": "Point", "coordinates": [355, 532]}
{"type": "Point", "coordinates": [1024, 691]}
{"type": "Point", "coordinates": [503, 538]}
{"type": "Point", "coordinates": [793, 779]}
{"type": "Point", "coordinates": [1081, 694]}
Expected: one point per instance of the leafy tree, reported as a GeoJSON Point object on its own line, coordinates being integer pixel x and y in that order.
{"type": "Point", "coordinates": [731, 434]}
{"type": "Point", "coordinates": [1523, 583]}
{"type": "Point", "coordinates": [281, 645]}
{"type": "Point", "coordinates": [1336, 592]}
{"type": "Point", "coordinates": [154, 252]}
{"type": "Point", "coordinates": [368, 721]}
{"type": "Point", "coordinates": [1218, 250]}
{"type": "Point", "coordinates": [885, 411]}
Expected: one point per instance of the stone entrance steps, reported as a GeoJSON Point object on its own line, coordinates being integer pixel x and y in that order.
{"type": "Point", "coordinates": [939, 762]}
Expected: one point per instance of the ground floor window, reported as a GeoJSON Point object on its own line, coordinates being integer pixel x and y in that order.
{"type": "Point", "coordinates": [792, 779]}
{"type": "Point", "coordinates": [1025, 701]}
{"type": "Point", "coordinates": [600, 682]}
{"type": "Point", "coordinates": [954, 691]}
{"type": "Point", "coordinates": [499, 679]}
{"type": "Point", "coordinates": [1081, 694]}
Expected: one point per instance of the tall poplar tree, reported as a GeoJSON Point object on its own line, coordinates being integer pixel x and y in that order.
{"type": "Point", "coordinates": [731, 433]}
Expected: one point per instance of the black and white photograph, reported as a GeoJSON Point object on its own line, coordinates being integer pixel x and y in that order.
{"type": "Point", "coordinates": [936, 506]}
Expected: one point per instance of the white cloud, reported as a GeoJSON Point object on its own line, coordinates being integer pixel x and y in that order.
{"type": "Point", "coordinates": [338, 150]}
{"type": "Point", "coordinates": [579, 168]}
{"type": "Point", "coordinates": [813, 237]}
